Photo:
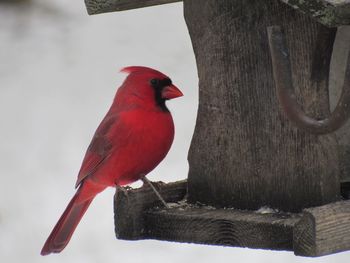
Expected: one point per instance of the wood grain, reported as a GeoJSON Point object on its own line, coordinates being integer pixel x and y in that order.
{"type": "Point", "coordinates": [103, 6]}
{"type": "Point", "coordinates": [337, 74]}
{"type": "Point", "coordinates": [323, 230]}
{"type": "Point", "coordinates": [314, 232]}
{"type": "Point", "coordinates": [284, 85]}
{"type": "Point", "coordinates": [140, 215]}
{"type": "Point", "coordinates": [245, 153]}
{"type": "Point", "coordinates": [129, 206]}
{"type": "Point", "coordinates": [225, 227]}
{"type": "Point", "coordinates": [331, 13]}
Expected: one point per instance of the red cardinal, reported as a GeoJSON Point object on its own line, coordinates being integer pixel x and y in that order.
{"type": "Point", "coordinates": [132, 139]}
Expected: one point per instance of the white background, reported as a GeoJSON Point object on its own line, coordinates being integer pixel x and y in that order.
{"type": "Point", "coordinates": [58, 75]}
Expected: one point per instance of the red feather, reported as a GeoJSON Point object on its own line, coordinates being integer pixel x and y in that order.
{"type": "Point", "coordinates": [98, 150]}
{"type": "Point", "coordinates": [133, 69]}
{"type": "Point", "coordinates": [132, 139]}
{"type": "Point", "coordinates": [65, 226]}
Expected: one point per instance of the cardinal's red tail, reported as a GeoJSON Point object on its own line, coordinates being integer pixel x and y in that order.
{"type": "Point", "coordinates": [66, 225]}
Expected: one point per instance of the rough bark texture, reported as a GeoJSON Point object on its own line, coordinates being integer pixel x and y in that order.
{"type": "Point", "coordinates": [244, 152]}
{"type": "Point", "coordinates": [323, 230]}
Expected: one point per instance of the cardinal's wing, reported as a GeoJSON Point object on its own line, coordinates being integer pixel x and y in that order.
{"type": "Point", "coordinates": [98, 150]}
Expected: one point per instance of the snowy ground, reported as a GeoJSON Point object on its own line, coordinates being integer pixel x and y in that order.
{"type": "Point", "coordinates": [58, 74]}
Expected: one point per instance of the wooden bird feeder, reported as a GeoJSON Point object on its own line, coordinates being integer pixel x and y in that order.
{"type": "Point", "coordinates": [264, 134]}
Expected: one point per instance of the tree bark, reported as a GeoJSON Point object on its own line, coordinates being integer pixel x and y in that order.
{"type": "Point", "coordinates": [244, 152]}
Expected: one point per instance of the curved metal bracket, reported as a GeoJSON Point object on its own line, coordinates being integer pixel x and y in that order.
{"type": "Point", "coordinates": [285, 91]}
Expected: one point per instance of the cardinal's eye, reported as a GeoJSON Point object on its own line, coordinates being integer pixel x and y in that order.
{"type": "Point", "coordinates": [154, 82]}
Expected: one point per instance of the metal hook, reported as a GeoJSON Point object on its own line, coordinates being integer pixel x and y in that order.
{"type": "Point", "coordinates": [286, 95]}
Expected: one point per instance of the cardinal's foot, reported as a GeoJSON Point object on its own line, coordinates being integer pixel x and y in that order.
{"type": "Point", "coordinates": [146, 181]}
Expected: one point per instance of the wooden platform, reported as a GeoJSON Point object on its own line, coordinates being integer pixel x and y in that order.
{"type": "Point", "coordinates": [314, 232]}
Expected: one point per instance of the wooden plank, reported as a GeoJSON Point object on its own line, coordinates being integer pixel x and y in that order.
{"type": "Point", "coordinates": [103, 6]}
{"type": "Point", "coordinates": [226, 227]}
{"type": "Point", "coordinates": [129, 206]}
{"type": "Point", "coordinates": [315, 232]}
{"type": "Point", "coordinates": [140, 215]}
{"type": "Point", "coordinates": [331, 13]}
{"type": "Point", "coordinates": [323, 230]}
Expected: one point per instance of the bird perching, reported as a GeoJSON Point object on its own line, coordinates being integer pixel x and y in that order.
{"type": "Point", "coordinates": [132, 139]}
{"type": "Point", "coordinates": [244, 153]}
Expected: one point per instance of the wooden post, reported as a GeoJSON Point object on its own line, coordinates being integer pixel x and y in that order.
{"type": "Point", "coordinates": [245, 153]}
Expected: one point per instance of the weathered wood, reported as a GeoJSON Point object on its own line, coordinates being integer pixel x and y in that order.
{"type": "Point", "coordinates": [244, 152]}
{"type": "Point", "coordinates": [338, 67]}
{"type": "Point", "coordinates": [103, 6]}
{"type": "Point", "coordinates": [140, 215]}
{"type": "Point", "coordinates": [129, 206]}
{"type": "Point", "coordinates": [226, 227]}
{"type": "Point", "coordinates": [328, 12]}
{"type": "Point", "coordinates": [314, 232]}
{"type": "Point", "coordinates": [285, 90]}
{"type": "Point", "coordinates": [323, 230]}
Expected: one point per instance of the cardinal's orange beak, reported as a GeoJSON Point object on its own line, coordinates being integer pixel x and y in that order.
{"type": "Point", "coordinates": [171, 92]}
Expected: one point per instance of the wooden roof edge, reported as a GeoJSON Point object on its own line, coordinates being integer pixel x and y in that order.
{"type": "Point", "coordinates": [331, 13]}
{"type": "Point", "coordinates": [104, 6]}
{"type": "Point", "coordinates": [328, 12]}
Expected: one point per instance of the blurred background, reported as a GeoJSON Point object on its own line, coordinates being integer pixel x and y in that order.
{"type": "Point", "coordinates": [58, 75]}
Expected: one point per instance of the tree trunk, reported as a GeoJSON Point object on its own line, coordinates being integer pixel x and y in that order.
{"type": "Point", "coordinates": [244, 152]}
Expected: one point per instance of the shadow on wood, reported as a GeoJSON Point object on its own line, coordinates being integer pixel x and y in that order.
{"type": "Point", "coordinates": [314, 232]}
